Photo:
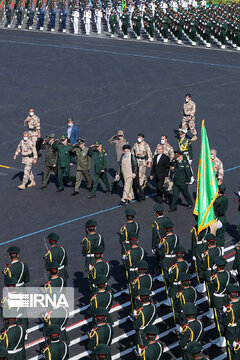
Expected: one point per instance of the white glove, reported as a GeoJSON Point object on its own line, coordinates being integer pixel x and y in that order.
{"type": "Point", "coordinates": [219, 224]}
{"type": "Point", "coordinates": [234, 272]}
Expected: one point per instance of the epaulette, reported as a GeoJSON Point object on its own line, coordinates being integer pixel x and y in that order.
{"type": "Point", "coordinates": [229, 306]}
{"type": "Point", "coordinates": [46, 348]}
{"type": "Point", "coordinates": [84, 239]}
{"type": "Point", "coordinates": [173, 266]}
{"type": "Point", "coordinates": [48, 283]}
{"type": "Point", "coordinates": [127, 252]}
{"type": "Point", "coordinates": [185, 327]}
{"type": "Point", "coordinates": [93, 297]}
{"type": "Point", "coordinates": [214, 276]}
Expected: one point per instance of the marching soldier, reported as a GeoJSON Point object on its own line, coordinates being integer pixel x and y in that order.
{"type": "Point", "coordinates": [113, 22]}
{"type": "Point", "coordinates": [153, 349]}
{"type": "Point", "coordinates": [98, 267]}
{"type": "Point", "coordinates": [33, 124]}
{"type": "Point", "coordinates": [193, 330]}
{"type": "Point", "coordinates": [118, 141]}
{"type": "Point", "coordinates": [182, 177]}
{"type": "Point", "coordinates": [194, 349]}
{"type": "Point", "coordinates": [16, 269]}
{"type": "Point", "coordinates": [158, 229]}
{"type": "Point", "coordinates": [51, 156]}
{"type": "Point", "coordinates": [132, 257]}
{"type": "Point", "coordinates": [218, 166]}
{"type": "Point", "coordinates": [84, 164]}
{"type": "Point", "coordinates": [143, 280]}
{"type": "Point", "coordinates": [236, 264]}
{"type": "Point", "coordinates": [52, 15]}
{"type": "Point", "coordinates": [41, 14]}
{"type": "Point", "coordinates": [87, 19]}
{"type": "Point", "coordinates": [57, 349]}
{"type": "Point", "coordinates": [58, 254]}
{"type": "Point", "coordinates": [188, 121]}
{"type": "Point", "coordinates": [220, 209]}
{"type": "Point", "coordinates": [56, 283]}
{"type": "Point", "coordinates": [100, 167]}
{"type": "Point", "coordinates": [57, 316]}
{"type": "Point", "coordinates": [103, 297]}
{"type": "Point", "coordinates": [103, 332]}
{"type": "Point", "coordinates": [29, 157]}
{"type": "Point", "coordinates": [125, 20]}
{"type": "Point", "coordinates": [185, 145]}
{"type": "Point", "coordinates": [129, 228]}
{"type": "Point", "coordinates": [91, 240]}
{"type": "Point", "coordinates": [12, 339]}
{"type": "Point", "coordinates": [102, 352]}
{"type": "Point", "coordinates": [142, 152]}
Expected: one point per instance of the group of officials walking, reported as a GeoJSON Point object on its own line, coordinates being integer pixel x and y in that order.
{"type": "Point", "coordinates": [171, 170]}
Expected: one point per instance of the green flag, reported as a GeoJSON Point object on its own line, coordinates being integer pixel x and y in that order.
{"type": "Point", "coordinates": [124, 5]}
{"type": "Point", "coordinates": [207, 188]}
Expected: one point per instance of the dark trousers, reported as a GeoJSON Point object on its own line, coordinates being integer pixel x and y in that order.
{"type": "Point", "coordinates": [19, 17]}
{"type": "Point", "coordinates": [47, 172]}
{"type": "Point", "coordinates": [96, 178]}
{"type": "Point", "coordinates": [41, 20]}
{"type": "Point", "coordinates": [53, 17]}
{"type": "Point", "coordinates": [137, 189]}
{"type": "Point", "coordinates": [30, 18]}
{"type": "Point", "coordinates": [8, 15]}
{"type": "Point", "coordinates": [177, 189]}
{"type": "Point", "coordinates": [161, 190]}
{"type": "Point", "coordinates": [63, 172]}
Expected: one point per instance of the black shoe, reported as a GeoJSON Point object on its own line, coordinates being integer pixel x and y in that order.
{"type": "Point", "coordinates": [59, 190]}
{"type": "Point", "coordinates": [190, 206]}
{"type": "Point", "coordinates": [115, 182]}
{"type": "Point", "coordinates": [171, 210]}
{"type": "Point", "coordinates": [43, 187]}
{"type": "Point", "coordinates": [92, 196]}
{"type": "Point", "coordinates": [122, 202]}
{"type": "Point", "coordinates": [75, 193]}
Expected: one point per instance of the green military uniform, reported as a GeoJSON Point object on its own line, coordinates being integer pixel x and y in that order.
{"type": "Point", "coordinates": [125, 20]}
{"type": "Point", "coordinates": [175, 270]}
{"type": "Point", "coordinates": [132, 227]}
{"type": "Point", "coordinates": [16, 269]}
{"type": "Point", "coordinates": [182, 176]}
{"type": "Point", "coordinates": [199, 245]}
{"type": "Point", "coordinates": [232, 316]}
{"type": "Point", "coordinates": [102, 333]}
{"type": "Point", "coordinates": [193, 330]}
{"type": "Point", "coordinates": [59, 317]}
{"type": "Point", "coordinates": [57, 253]}
{"type": "Point", "coordinates": [89, 243]}
{"type": "Point", "coordinates": [51, 158]}
{"type": "Point", "coordinates": [153, 350]}
{"type": "Point", "coordinates": [103, 297]}
{"type": "Point", "coordinates": [65, 157]}
{"type": "Point", "coordinates": [220, 209]}
{"type": "Point", "coordinates": [98, 267]}
{"type": "Point", "coordinates": [158, 230]}
{"type": "Point", "coordinates": [185, 146]}
{"type": "Point", "coordinates": [57, 349]}
{"type": "Point", "coordinates": [113, 22]}
{"type": "Point", "coordinates": [101, 351]}
{"type": "Point", "coordinates": [56, 283]}
{"type": "Point", "coordinates": [131, 259]}
{"type": "Point", "coordinates": [236, 263]}
{"type": "Point", "coordinates": [100, 168]}
{"type": "Point", "coordinates": [193, 347]}
{"type": "Point", "coordinates": [208, 257]}
{"type": "Point", "coordinates": [136, 19]}
{"type": "Point", "coordinates": [3, 351]}
{"type": "Point", "coordinates": [84, 164]}
{"type": "Point", "coordinates": [143, 280]}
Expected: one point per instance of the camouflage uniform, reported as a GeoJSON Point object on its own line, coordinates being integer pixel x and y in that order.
{"type": "Point", "coordinates": [188, 121]}
{"type": "Point", "coordinates": [218, 167]}
{"type": "Point", "coordinates": [33, 126]}
{"type": "Point", "coordinates": [143, 154]}
{"type": "Point", "coordinates": [29, 153]}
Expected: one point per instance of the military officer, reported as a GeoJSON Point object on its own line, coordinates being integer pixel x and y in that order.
{"type": "Point", "coordinates": [185, 145]}
{"type": "Point", "coordinates": [29, 157]}
{"type": "Point", "coordinates": [188, 121]}
{"type": "Point", "coordinates": [57, 253]}
{"type": "Point", "coordinates": [142, 152]}
{"type": "Point", "coordinates": [100, 167]}
{"type": "Point", "coordinates": [84, 164]}
{"type": "Point", "coordinates": [56, 283]}
{"type": "Point", "coordinates": [153, 349]}
{"type": "Point", "coordinates": [98, 267]}
{"type": "Point", "coordinates": [91, 240]}
{"type": "Point", "coordinates": [158, 229]}
{"type": "Point", "coordinates": [143, 279]}
{"type": "Point", "coordinates": [57, 349]}
{"type": "Point", "coordinates": [103, 297]}
{"type": "Point", "coordinates": [118, 141]}
{"type": "Point", "coordinates": [57, 316]}
{"type": "Point", "coordinates": [125, 20]}
{"type": "Point", "coordinates": [101, 352]}
{"type": "Point", "coordinates": [193, 330]}
{"type": "Point", "coordinates": [12, 339]}
{"type": "Point", "coordinates": [182, 177]}
{"type": "Point", "coordinates": [33, 124]}
{"type": "Point", "coordinates": [218, 166]}
{"type": "Point", "coordinates": [103, 332]}
{"type": "Point", "coordinates": [220, 209]}
{"type": "Point", "coordinates": [236, 264]}
{"type": "Point", "coordinates": [65, 159]}
{"type": "Point", "coordinates": [132, 257]}
{"type": "Point", "coordinates": [194, 349]}
{"type": "Point", "coordinates": [113, 22]}
{"type": "Point", "coordinates": [16, 269]}
{"type": "Point", "coordinates": [51, 156]}
{"type": "Point", "coordinates": [3, 353]}
{"type": "Point", "coordinates": [129, 228]}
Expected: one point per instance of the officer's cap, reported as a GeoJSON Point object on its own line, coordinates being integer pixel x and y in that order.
{"type": "Point", "coordinates": [193, 348]}
{"type": "Point", "coordinates": [144, 292]}
{"type": "Point", "coordinates": [120, 133]}
{"type": "Point", "coordinates": [232, 288]}
{"type": "Point", "coordinates": [98, 250]}
{"type": "Point", "coordinates": [210, 237]}
{"type": "Point", "coordinates": [185, 277]}
{"type": "Point", "coordinates": [91, 223]}
{"type": "Point", "coordinates": [81, 141]}
{"type": "Point", "coordinates": [220, 261]}
{"type": "Point", "coordinates": [52, 265]}
{"type": "Point", "coordinates": [190, 309]}
{"type": "Point", "coordinates": [101, 279]}
{"type": "Point", "coordinates": [3, 352]}
{"type": "Point", "coordinates": [52, 135]}
{"type": "Point", "coordinates": [10, 281]}
{"type": "Point", "coordinates": [152, 329]}
{"type": "Point", "coordinates": [178, 153]}
{"type": "Point", "coordinates": [183, 131]}
{"type": "Point", "coordinates": [13, 250]}
{"type": "Point", "coordinates": [168, 224]}
{"type": "Point", "coordinates": [100, 311]}
{"type": "Point", "coordinates": [222, 188]}
{"type": "Point", "coordinates": [142, 264]}
{"type": "Point", "coordinates": [133, 236]}
{"type": "Point", "coordinates": [53, 236]}
{"type": "Point", "coordinates": [63, 137]}
{"type": "Point", "coordinates": [53, 329]}
{"type": "Point", "coordinates": [102, 349]}
{"type": "Point", "coordinates": [126, 147]}
{"type": "Point", "coordinates": [158, 207]}
{"type": "Point", "coordinates": [98, 143]}
{"type": "Point", "coordinates": [130, 211]}
{"type": "Point", "coordinates": [180, 249]}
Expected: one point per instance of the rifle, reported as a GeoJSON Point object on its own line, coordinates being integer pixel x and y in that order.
{"type": "Point", "coordinates": [238, 199]}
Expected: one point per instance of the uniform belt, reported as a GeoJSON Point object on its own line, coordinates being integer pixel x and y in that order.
{"type": "Point", "coordinates": [141, 157]}
{"type": "Point", "coordinates": [177, 283]}
{"type": "Point", "coordinates": [20, 284]}
{"type": "Point", "coordinates": [61, 267]}
{"type": "Point", "coordinates": [168, 256]}
{"type": "Point", "coordinates": [133, 269]}
{"type": "Point", "coordinates": [233, 325]}
{"type": "Point", "coordinates": [90, 255]}
{"type": "Point", "coordinates": [62, 328]}
{"type": "Point", "coordinates": [15, 351]}
{"type": "Point", "coordinates": [201, 242]}
{"type": "Point", "coordinates": [29, 155]}
{"type": "Point", "coordinates": [219, 295]}
{"type": "Point", "coordinates": [33, 129]}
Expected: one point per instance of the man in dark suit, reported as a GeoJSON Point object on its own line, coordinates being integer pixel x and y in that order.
{"type": "Point", "coordinates": [72, 132]}
{"type": "Point", "coordinates": [160, 170]}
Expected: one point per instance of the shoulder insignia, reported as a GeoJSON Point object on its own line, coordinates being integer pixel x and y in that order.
{"type": "Point", "coordinates": [49, 282]}
{"type": "Point", "coordinates": [93, 297]}
{"type": "Point", "coordinates": [229, 306]}
{"type": "Point", "coordinates": [173, 266]}
{"type": "Point", "coordinates": [214, 276]}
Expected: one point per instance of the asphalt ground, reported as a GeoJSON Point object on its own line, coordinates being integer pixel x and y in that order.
{"type": "Point", "coordinates": [106, 85]}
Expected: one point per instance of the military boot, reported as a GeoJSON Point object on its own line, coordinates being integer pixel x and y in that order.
{"type": "Point", "coordinates": [22, 186]}
{"type": "Point", "coordinates": [32, 183]}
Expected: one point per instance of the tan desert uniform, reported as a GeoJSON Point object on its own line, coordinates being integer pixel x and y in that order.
{"type": "Point", "coordinates": [143, 154]}
{"type": "Point", "coordinates": [127, 177]}
{"type": "Point", "coordinates": [118, 148]}
{"type": "Point", "coordinates": [33, 126]}
{"type": "Point", "coordinates": [29, 153]}
{"type": "Point", "coordinates": [188, 121]}
{"type": "Point", "coordinates": [218, 167]}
